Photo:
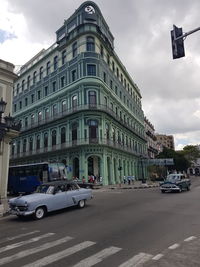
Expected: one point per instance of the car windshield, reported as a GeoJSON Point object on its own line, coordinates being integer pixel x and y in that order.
{"type": "Point", "coordinates": [173, 178]}
{"type": "Point", "coordinates": [45, 189]}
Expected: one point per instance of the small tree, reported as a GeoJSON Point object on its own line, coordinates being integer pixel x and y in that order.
{"type": "Point", "coordinates": [191, 153]}
{"type": "Point", "coordinates": [181, 163]}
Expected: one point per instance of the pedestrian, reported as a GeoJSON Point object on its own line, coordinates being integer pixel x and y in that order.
{"type": "Point", "coordinates": [83, 179]}
{"type": "Point", "coordinates": [129, 180]}
{"type": "Point", "coordinates": [124, 179]}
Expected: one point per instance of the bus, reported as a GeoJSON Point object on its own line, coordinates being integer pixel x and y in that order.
{"type": "Point", "coordinates": [26, 178]}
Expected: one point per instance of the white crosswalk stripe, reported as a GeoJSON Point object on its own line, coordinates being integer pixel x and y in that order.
{"type": "Point", "coordinates": [29, 252]}
{"type": "Point", "coordinates": [18, 236]}
{"type": "Point", "coordinates": [137, 261]}
{"type": "Point", "coordinates": [39, 261]}
{"type": "Point", "coordinates": [60, 255]}
{"type": "Point", "coordinates": [22, 243]}
{"type": "Point", "coordinates": [98, 257]}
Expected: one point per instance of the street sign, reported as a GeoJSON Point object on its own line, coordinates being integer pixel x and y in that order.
{"type": "Point", "coordinates": [160, 162]}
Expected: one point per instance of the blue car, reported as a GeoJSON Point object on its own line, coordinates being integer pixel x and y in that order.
{"type": "Point", "coordinates": [50, 197]}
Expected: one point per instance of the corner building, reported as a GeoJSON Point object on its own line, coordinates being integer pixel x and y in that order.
{"type": "Point", "coordinates": [77, 104]}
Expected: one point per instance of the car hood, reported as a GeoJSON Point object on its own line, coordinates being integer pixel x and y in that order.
{"type": "Point", "coordinates": [29, 198]}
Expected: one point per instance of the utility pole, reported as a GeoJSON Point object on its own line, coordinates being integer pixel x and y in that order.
{"type": "Point", "coordinates": [177, 39]}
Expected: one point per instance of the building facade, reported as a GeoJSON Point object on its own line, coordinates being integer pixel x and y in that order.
{"type": "Point", "coordinates": [77, 104]}
{"type": "Point", "coordinates": [152, 147]}
{"type": "Point", "coordinates": [7, 78]}
{"type": "Point", "coordinates": [165, 141]}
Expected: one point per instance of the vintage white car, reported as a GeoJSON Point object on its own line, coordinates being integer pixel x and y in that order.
{"type": "Point", "coordinates": [50, 197]}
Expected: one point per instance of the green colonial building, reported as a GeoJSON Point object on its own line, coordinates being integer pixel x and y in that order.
{"type": "Point", "coordinates": [78, 105]}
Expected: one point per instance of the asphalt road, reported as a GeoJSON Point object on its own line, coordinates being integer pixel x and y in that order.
{"type": "Point", "coordinates": [140, 227]}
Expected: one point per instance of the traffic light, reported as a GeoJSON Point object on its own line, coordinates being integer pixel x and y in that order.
{"type": "Point", "coordinates": [177, 45]}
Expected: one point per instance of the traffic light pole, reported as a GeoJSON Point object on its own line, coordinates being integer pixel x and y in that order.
{"type": "Point", "coordinates": [186, 34]}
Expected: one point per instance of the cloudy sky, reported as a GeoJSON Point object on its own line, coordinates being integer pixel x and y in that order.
{"type": "Point", "coordinates": [170, 88]}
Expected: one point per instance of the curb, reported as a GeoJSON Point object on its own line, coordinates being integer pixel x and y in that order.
{"type": "Point", "coordinates": [128, 187]}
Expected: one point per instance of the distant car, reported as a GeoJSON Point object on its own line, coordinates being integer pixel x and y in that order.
{"type": "Point", "coordinates": [50, 197]}
{"type": "Point", "coordinates": [175, 182]}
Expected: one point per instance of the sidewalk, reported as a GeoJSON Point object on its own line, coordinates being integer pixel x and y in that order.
{"type": "Point", "coordinates": [134, 185]}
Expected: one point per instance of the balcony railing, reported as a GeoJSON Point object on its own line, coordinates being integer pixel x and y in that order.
{"type": "Point", "coordinates": [80, 108]}
{"type": "Point", "coordinates": [76, 143]}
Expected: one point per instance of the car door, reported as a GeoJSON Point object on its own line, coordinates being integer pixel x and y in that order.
{"type": "Point", "coordinates": [59, 199]}
{"type": "Point", "coordinates": [71, 195]}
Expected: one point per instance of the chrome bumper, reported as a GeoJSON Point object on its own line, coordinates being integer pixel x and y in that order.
{"type": "Point", "coordinates": [21, 213]}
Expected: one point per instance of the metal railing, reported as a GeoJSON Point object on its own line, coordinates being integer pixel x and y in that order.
{"type": "Point", "coordinates": [76, 143]}
{"type": "Point", "coordinates": [79, 108]}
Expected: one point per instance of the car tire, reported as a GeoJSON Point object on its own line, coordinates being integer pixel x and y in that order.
{"type": "Point", "coordinates": [40, 213]}
{"type": "Point", "coordinates": [180, 189]}
{"type": "Point", "coordinates": [163, 191]}
{"type": "Point", "coordinates": [81, 204]}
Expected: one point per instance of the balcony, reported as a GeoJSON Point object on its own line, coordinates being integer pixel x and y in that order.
{"type": "Point", "coordinates": [79, 109]}
{"type": "Point", "coordinates": [76, 143]}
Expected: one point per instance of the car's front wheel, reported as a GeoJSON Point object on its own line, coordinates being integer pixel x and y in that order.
{"type": "Point", "coordinates": [81, 203]}
{"type": "Point", "coordinates": [180, 189]}
{"type": "Point", "coordinates": [40, 213]}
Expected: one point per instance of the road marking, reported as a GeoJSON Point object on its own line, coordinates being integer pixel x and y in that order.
{"type": "Point", "coordinates": [174, 246]}
{"type": "Point", "coordinates": [28, 252]}
{"type": "Point", "coordinates": [157, 257]}
{"type": "Point", "coordinates": [190, 238]}
{"type": "Point", "coordinates": [19, 244]}
{"type": "Point", "coordinates": [60, 255]}
{"type": "Point", "coordinates": [18, 236]}
{"type": "Point", "coordinates": [98, 257]}
{"type": "Point", "coordinates": [137, 261]}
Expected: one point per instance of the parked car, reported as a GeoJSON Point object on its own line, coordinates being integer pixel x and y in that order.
{"type": "Point", "coordinates": [49, 197]}
{"type": "Point", "coordinates": [175, 182]}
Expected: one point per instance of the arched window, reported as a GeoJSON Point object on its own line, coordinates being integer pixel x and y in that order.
{"type": "Point", "coordinates": [53, 138]}
{"type": "Point", "coordinates": [92, 98]}
{"type": "Point", "coordinates": [63, 135]}
{"type": "Point", "coordinates": [55, 110]}
{"type": "Point", "coordinates": [55, 62]}
{"type": "Point", "coordinates": [34, 77]}
{"type": "Point", "coordinates": [113, 134]}
{"type": "Point", "coordinates": [74, 49]}
{"type": "Point", "coordinates": [23, 85]}
{"type": "Point", "coordinates": [90, 44]}
{"type": "Point", "coordinates": [64, 105]}
{"type": "Point", "coordinates": [105, 101]}
{"type": "Point", "coordinates": [118, 137]}
{"type": "Point", "coordinates": [26, 122]}
{"type": "Point", "coordinates": [17, 88]}
{"type": "Point", "coordinates": [38, 142]}
{"type": "Point", "coordinates": [41, 73]}
{"type": "Point", "coordinates": [107, 131]}
{"type": "Point", "coordinates": [46, 113]}
{"type": "Point", "coordinates": [45, 140]}
{"type": "Point", "coordinates": [24, 145]}
{"type": "Point", "coordinates": [32, 119]}
{"type": "Point", "coordinates": [31, 144]}
{"type": "Point", "coordinates": [39, 116]}
{"type": "Point", "coordinates": [74, 132]}
{"type": "Point", "coordinates": [63, 56]}
{"type": "Point", "coordinates": [18, 147]}
{"type": "Point", "coordinates": [74, 101]}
